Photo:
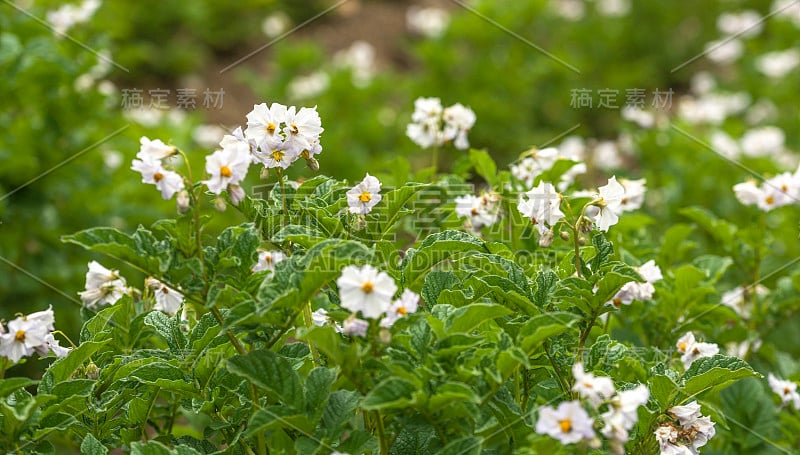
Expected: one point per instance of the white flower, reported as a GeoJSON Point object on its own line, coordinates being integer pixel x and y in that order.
{"type": "Point", "coordinates": [542, 206]}
{"type": "Point", "coordinates": [639, 116]}
{"type": "Point", "coordinates": [64, 18]}
{"type": "Point", "coordinates": [367, 290]}
{"type": "Point", "coordinates": [596, 389]}
{"type": "Point", "coordinates": [168, 182]}
{"type": "Point", "coordinates": [208, 135]}
{"type": "Point", "coordinates": [787, 390]}
{"type": "Point", "coordinates": [303, 128]}
{"type": "Point", "coordinates": [686, 414]}
{"type": "Point", "coordinates": [787, 9]}
{"type": "Point", "coordinates": [320, 317]}
{"type": "Point", "coordinates": [49, 345]}
{"type": "Point", "coordinates": [667, 437]}
{"type": "Point", "coordinates": [407, 303]}
{"type": "Point", "coordinates": [610, 204]}
{"type": "Point", "coordinates": [724, 51]}
{"type": "Point", "coordinates": [364, 196]}
{"type": "Point", "coordinates": [354, 326]}
{"type": "Point", "coordinates": [777, 65]}
{"type": "Point", "coordinates": [606, 155]}
{"type": "Point", "coordinates": [264, 124]}
{"type": "Point", "coordinates": [613, 8]}
{"type": "Point", "coordinates": [571, 10]}
{"type": "Point", "coordinates": [569, 423]}
{"type": "Point", "coordinates": [748, 193]}
{"type": "Point", "coordinates": [103, 286]}
{"type": "Point", "coordinates": [626, 404]}
{"type": "Point", "coordinates": [634, 290]}
{"type": "Point", "coordinates": [154, 150]}
{"type": "Point", "coordinates": [781, 190]}
{"type": "Point", "coordinates": [22, 338]}
{"type": "Point", "coordinates": [275, 24]}
{"type": "Point", "coordinates": [763, 141]}
{"type": "Point", "coordinates": [692, 350]}
{"type": "Point", "coordinates": [479, 211]}
{"type": "Point", "coordinates": [308, 86]}
{"type": "Point", "coordinates": [227, 167]}
{"type": "Point", "coordinates": [168, 300]}
{"type": "Point", "coordinates": [45, 318]}
{"type": "Point", "coordinates": [724, 144]}
{"type": "Point", "coordinates": [745, 23]}
{"type": "Point", "coordinates": [277, 156]}
{"type": "Point", "coordinates": [267, 260]}
{"type": "Point", "coordinates": [458, 120]}
{"type": "Point", "coordinates": [634, 194]}
{"type": "Point", "coordinates": [535, 162]}
{"type": "Point", "coordinates": [360, 59]}
{"type": "Point", "coordinates": [428, 22]}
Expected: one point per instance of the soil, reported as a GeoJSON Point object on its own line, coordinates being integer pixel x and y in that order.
{"type": "Point", "coordinates": [380, 23]}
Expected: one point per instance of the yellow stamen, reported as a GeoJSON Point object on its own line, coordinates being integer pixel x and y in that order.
{"type": "Point", "coordinates": [365, 197]}
{"type": "Point", "coordinates": [682, 347]}
{"type": "Point", "coordinates": [158, 176]}
{"type": "Point", "coordinates": [566, 425]}
{"type": "Point", "coordinates": [165, 290]}
{"type": "Point", "coordinates": [270, 128]}
{"type": "Point", "coordinates": [225, 171]}
{"type": "Point", "coordinates": [618, 302]}
{"type": "Point", "coordinates": [305, 154]}
{"type": "Point", "coordinates": [20, 336]}
{"type": "Point", "coordinates": [277, 155]}
{"type": "Point", "coordinates": [770, 200]}
{"type": "Point", "coordinates": [784, 188]}
{"type": "Point", "coordinates": [402, 311]}
{"type": "Point", "coordinates": [787, 390]}
{"type": "Point", "coordinates": [367, 287]}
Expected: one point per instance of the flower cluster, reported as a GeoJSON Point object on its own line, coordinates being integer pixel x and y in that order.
{"type": "Point", "coordinates": [692, 350]}
{"type": "Point", "coordinates": [534, 162]}
{"type": "Point", "coordinates": [479, 211]}
{"type": "Point", "coordinates": [67, 16]}
{"type": "Point", "coordinates": [618, 412]}
{"type": "Point", "coordinates": [103, 287]}
{"type": "Point", "coordinates": [28, 334]}
{"type": "Point", "coordinates": [149, 163]}
{"type": "Point", "coordinates": [432, 125]}
{"type": "Point", "coordinates": [280, 135]}
{"type": "Point", "coordinates": [781, 190]}
{"type": "Point", "coordinates": [634, 290]}
{"type": "Point", "coordinates": [787, 390]}
{"type": "Point", "coordinates": [371, 292]}
{"type": "Point", "coordinates": [691, 431]}
{"type": "Point", "coordinates": [541, 205]}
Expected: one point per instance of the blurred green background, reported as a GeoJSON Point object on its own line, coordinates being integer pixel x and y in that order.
{"type": "Point", "coordinates": [69, 135]}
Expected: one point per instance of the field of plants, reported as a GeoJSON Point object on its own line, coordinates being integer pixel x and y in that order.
{"type": "Point", "coordinates": [398, 227]}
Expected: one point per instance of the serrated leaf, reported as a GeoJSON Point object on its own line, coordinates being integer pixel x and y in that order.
{"type": "Point", "coordinates": [168, 328]}
{"type": "Point", "coordinates": [718, 370]}
{"type": "Point", "coordinates": [271, 372]}
{"type": "Point", "coordinates": [91, 446]}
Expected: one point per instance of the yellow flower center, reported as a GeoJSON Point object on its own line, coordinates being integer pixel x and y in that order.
{"type": "Point", "coordinates": [305, 154]}
{"type": "Point", "coordinates": [277, 155]}
{"type": "Point", "coordinates": [165, 290]}
{"type": "Point", "coordinates": [20, 336]}
{"type": "Point", "coordinates": [158, 176]}
{"type": "Point", "coordinates": [787, 390]}
{"type": "Point", "coordinates": [784, 188]}
{"type": "Point", "coordinates": [402, 311]}
{"type": "Point", "coordinates": [365, 197]}
{"type": "Point", "coordinates": [268, 258]}
{"type": "Point", "coordinates": [618, 302]}
{"type": "Point", "coordinates": [225, 171]}
{"type": "Point", "coordinates": [294, 129]}
{"type": "Point", "coordinates": [367, 287]}
{"type": "Point", "coordinates": [271, 128]}
{"type": "Point", "coordinates": [682, 347]}
{"type": "Point", "coordinates": [566, 425]}
{"type": "Point", "coordinates": [769, 200]}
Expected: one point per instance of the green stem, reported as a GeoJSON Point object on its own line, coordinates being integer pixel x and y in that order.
{"type": "Point", "coordinates": [283, 195]}
{"type": "Point", "coordinates": [561, 381]}
{"type": "Point", "coordinates": [384, 443]}
{"type": "Point", "coordinates": [309, 320]}
{"type": "Point", "coordinates": [149, 410]}
{"type": "Point", "coordinates": [435, 159]}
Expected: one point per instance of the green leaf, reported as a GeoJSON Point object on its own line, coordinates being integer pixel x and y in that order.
{"type": "Point", "coordinates": [318, 387]}
{"type": "Point", "coordinates": [484, 165]}
{"type": "Point", "coordinates": [541, 327]}
{"type": "Point", "coordinates": [714, 266]}
{"type": "Point", "coordinates": [604, 249]}
{"type": "Point", "coordinates": [165, 376]}
{"type": "Point", "coordinates": [8, 386]}
{"type": "Point", "coordinates": [149, 448]}
{"type": "Point", "coordinates": [545, 285]}
{"type": "Point", "coordinates": [708, 372]}
{"type": "Point", "coordinates": [468, 445]}
{"type": "Point", "coordinates": [62, 369]}
{"type": "Point", "coordinates": [141, 249]}
{"type": "Point", "coordinates": [169, 329]}
{"type": "Point", "coordinates": [452, 393]}
{"type": "Point", "coordinates": [391, 393]}
{"type": "Point", "coordinates": [663, 390]}
{"type": "Point", "coordinates": [91, 446]}
{"type": "Point", "coordinates": [465, 319]}
{"type": "Point", "coordinates": [341, 408]}
{"type": "Point", "coordinates": [720, 230]}
{"type": "Point", "coordinates": [271, 372]}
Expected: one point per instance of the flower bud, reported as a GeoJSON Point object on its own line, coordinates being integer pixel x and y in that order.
{"type": "Point", "coordinates": [236, 194]}
{"type": "Point", "coordinates": [313, 164]}
{"type": "Point", "coordinates": [264, 173]}
{"type": "Point", "coordinates": [183, 201]}
{"type": "Point", "coordinates": [385, 336]}
{"type": "Point", "coordinates": [220, 205]}
{"type": "Point", "coordinates": [92, 372]}
{"type": "Point", "coordinates": [581, 241]}
{"type": "Point", "coordinates": [546, 239]}
{"type": "Point", "coordinates": [564, 235]}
